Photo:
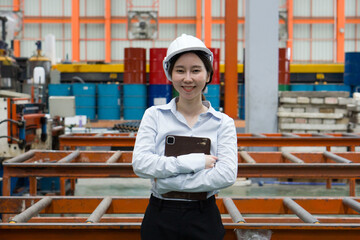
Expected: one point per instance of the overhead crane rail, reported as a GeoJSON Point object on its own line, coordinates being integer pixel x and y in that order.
{"type": "Point", "coordinates": [328, 140]}
{"type": "Point", "coordinates": [280, 218]}
{"type": "Point", "coordinates": [104, 164]}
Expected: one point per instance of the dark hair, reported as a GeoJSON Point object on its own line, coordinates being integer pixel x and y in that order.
{"type": "Point", "coordinates": [204, 58]}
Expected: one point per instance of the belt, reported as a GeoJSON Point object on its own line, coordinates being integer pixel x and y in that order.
{"type": "Point", "coordinates": [186, 195]}
{"type": "Point", "coordinates": [162, 203]}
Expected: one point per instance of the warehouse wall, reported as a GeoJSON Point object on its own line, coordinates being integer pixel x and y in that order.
{"type": "Point", "coordinates": [313, 40]}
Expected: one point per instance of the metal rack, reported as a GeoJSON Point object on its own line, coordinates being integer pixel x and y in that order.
{"type": "Point", "coordinates": [104, 164]}
{"type": "Point", "coordinates": [327, 140]}
{"type": "Point", "coordinates": [102, 217]}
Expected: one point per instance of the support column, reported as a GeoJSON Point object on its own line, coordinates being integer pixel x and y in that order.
{"type": "Point", "coordinates": [198, 18]}
{"type": "Point", "coordinates": [231, 49]}
{"type": "Point", "coordinates": [261, 65]}
{"type": "Point", "coordinates": [207, 23]}
{"type": "Point", "coordinates": [107, 31]}
{"type": "Point", "coordinates": [17, 48]}
{"type": "Point", "coordinates": [75, 30]}
{"type": "Point", "coordinates": [340, 31]}
{"type": "Point", "coordinates": [290, 22]}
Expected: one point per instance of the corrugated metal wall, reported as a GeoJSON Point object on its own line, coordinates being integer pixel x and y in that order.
{"type": "Point", "coordinates": [311, 42]}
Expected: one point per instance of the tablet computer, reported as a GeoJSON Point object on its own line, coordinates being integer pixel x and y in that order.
{"type": "Point", "coordinates": [181, 145]}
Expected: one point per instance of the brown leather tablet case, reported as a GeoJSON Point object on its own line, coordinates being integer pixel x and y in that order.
{"type": "Point", "coordinates": [181, 145]}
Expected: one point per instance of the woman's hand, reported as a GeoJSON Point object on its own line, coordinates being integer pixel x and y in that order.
{"type": "Point", "coordinates": [210, 161]}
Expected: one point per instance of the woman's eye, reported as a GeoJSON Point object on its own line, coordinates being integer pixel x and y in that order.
{"type": "Point", "coordinates": [179, 70]}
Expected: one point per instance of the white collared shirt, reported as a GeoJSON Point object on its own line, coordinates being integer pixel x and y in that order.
{"type": "Point", "coordinates": [185, 173]}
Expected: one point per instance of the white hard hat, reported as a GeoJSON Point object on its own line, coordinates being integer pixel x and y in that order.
{"type": "Point", "coordinates": [181, 44]}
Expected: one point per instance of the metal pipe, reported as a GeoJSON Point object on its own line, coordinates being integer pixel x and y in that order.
{"type": "Point", "coordinates": [69, 157]}
{"type": "Point", "coordinates": [353, 204]}
{"type": "Point", "coordinates": [336, 158]}
{"type": "Point", "coordinates": [320, 135]}
{"type": "Point", "coordinates": [291, 157]}
{"type": "Point", "coordinates": [99, 135]}
{"type": "Point", "coordinates": [233, 211]}
{"type": "Point", "coordinates": [100, 210]}
{"type": "Point", "coordinates": [114, 157]}
{"type": "Point", "coordinates": [290, 135]}
{"type": "Point", "coordinates": [22, 157]}
{"type": "Point", "coordinates": [247, 157]}
{"type": "Point", "coordinates": [258, 135]}
{"type": "Point", "coordinates": [350, 135]}
{"type": "Point", "coordinates": [304, 215]}
{"type": "Point", "coordinates": [31, 211]}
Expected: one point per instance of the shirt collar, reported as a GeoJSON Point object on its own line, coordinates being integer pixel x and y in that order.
{"type": "Point", "coordinates": [172, 107]}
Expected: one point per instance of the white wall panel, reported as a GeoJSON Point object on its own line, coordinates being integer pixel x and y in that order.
{"type": "Point", "coordinates": [52, 8]}
{"type": "Point", "coordinates": [95, 31]}
{"type": "Point", "coordinates": [118, 8]}
{"type": "Point", "coordinates": [117, 50]}
{"type": "Point", "coordinates": [31, 31]}
{"type": "Point", "coordinates": [54, 29]}
{"type": "Point", "coordinates": [322, 31]}
{"type": "Point", "coordinates": [301, 51]}
{"type": "Point", "coordinates": [186, 8]}
{"type": "Point", "coordinates": [6, 5]}
{"type": "Point", "coordinates": [241, 8]}
{"type": "Point", "coordinates": [67, 51]}
{"type": "Point", "coordinates": [217, 8]}
{"type": "Point", "coordinates": [31, 8]}
{"type": "Point", "coordinates": [351, 32]}
{"type": "Point", "coordinates": [167, 8]}
{"type": "Point", "coordinates": [95, 50]}
{"type": "Point", "coordinates": [27, 48]}
{"type": "Point", "coordinates": [322, 8]}
{"type": "Point", "coordinates": [166, 31]}
{"type": "Point", "coordinates": [349, 46]}
{"type": "Point", "coordinates": [301, 31]}
{"type": "Point", "coordinates": [186, 28]}
{"type": "Point", "coordinates": [92, 8]}
{"type": "Point", "coordinates": [301, 8]}
{"type": "Point", "coordinates": [118, 31]}
{"type": "Point", "coordinates": [322, 51]}
{"type": "Point", "coordinates": [350, 9]}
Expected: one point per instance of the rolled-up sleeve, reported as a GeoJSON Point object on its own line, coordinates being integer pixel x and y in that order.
{"type": "Point", "coordinates": [221, 176]}
{"type": "Point", "coordinates": [148, 164]}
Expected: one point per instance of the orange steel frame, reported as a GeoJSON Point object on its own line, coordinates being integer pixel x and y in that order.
{"type": "Point", "coordinates": [277, 217]}
{"type": "Point", "coordinates": [340, 21]}
{"type": "Point", "coordinates": [328, 140]}
{"type": "Point", "coordinates": [96, 164]}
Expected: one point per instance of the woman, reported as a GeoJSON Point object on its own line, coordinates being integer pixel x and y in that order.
{"type": "Point", "coordinates": [196, 178]}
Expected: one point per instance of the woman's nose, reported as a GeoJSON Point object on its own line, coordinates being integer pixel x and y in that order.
{"type": "Point", "coordinates": [188, 76]}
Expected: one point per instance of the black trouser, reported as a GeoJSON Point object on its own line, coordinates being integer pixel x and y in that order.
{"type": "Point", "coordinates": [168, 219]}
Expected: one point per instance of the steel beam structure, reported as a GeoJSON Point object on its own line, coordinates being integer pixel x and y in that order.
{"type": "Point", "coordinates": [88, 164]}
{"type": "Point", "coordinates": [327, 140]}
{"type": "Point", "coordinates": [277, 221]}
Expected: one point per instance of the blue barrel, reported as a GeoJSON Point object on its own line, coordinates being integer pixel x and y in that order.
{"type": "Point", "coordinates": [302, 87]}
{"type": "Point", "coordinates": [352, 68]}
{"type": "Point", "coordinates": [134, 101]}
{"type": "Point", "coordinates": [159, 94]}
{"type": "Point", "coordinates": [59, 89]}
{"type": "Point", "coordinates": [212, 94]}
{"type": "Point", "coordinates": [333, 87]}
{"type": "Point", "coordinates": [108, 101]}
{"type": "Point", "coordinates": [241, 101]}
{"type": "Point", "coordinates": [85, 99]}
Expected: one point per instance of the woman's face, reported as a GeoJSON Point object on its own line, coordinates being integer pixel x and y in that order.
{"type": "Point", "coordinates": [189, 76]}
